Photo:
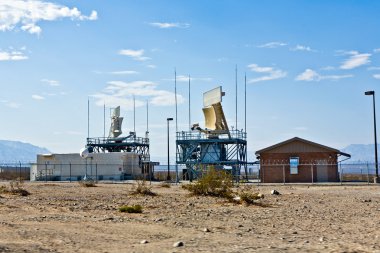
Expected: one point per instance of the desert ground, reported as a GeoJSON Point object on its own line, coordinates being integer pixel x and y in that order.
{"type": "Point", "coordinates": [67, 217]}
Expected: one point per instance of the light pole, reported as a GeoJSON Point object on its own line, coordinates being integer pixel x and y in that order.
{"type": "Point", "coordinates": [168, 177]}
{"type": "Point", "coordinates": [372, 93]}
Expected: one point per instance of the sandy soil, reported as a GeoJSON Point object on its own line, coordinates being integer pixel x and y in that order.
{"type": "Point", "coordinates": [65, 217]}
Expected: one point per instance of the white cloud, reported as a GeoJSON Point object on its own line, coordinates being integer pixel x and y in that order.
{"type": "Point", "coordinates": [355, 60]}
{"type": "Point", "coordinates": [26, 14]}
{"type": "Point", "coordinates": [169, 25]}
{"type": "Point", "coordinates": [124, 72]}
{"type": "Point", "coordinates": [335, 77]}
{"type": "Point", "coordinates": [377, 76]}
{"type": "Point", "coordinates": [38, 97]}
{"type": "Point", "coordinates": [183, 78]}
{"type": "Point", "coordinates": [121, 72]}
{"type": "Point", "coordinates": [222, 59]}
{"type": "Point", "coordinates": [373, 68]}
{"type": "Point", "coordinates": [31, 28]}
{"type": "Point", "coordinates": [121, 93]}
{"type": "Point", "coordinates": [49, 94]}
{"type": "Point", "coordinates": [376, 50]}
{"type": "Point", "coordinates": [270, 73]}
{"type": "Point", "coordinates": [74, 133]}
{"type": "Point", "coordinates": [11, 104]}
{"type": "Point", "coordinates": [12, 56]}
{"type": "Point", "coordinates": [273, 44]}
{"type": "Point", "coordinates": [308, 75]}
{"type": "Point", "coordinates": [302, 48]}
{"type": "Point", "coordinates": [300, 128]}
{"type": "Point", "coordinates": [137, 55]}
{"type": "Point", "coordinates": [50, 82]}
{"type": "Point", "coordinates": [151, 66]}
{"type": "Point", "coordinates": [328, 68]}
{"type": "Point", "coordinates": [311, 75]}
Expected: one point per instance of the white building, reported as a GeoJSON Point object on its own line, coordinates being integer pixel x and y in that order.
{"type": "Point", "coordinates": [98, 166]}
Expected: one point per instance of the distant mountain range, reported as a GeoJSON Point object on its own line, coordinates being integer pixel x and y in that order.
{"type": "Point", "coordinates": [16, 151]}
{"type": "Point", "coordinates": [361, 152]}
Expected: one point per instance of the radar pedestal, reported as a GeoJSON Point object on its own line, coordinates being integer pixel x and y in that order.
{"type": "Point", "coordinates": [213, 146]}
{"type": "Point", "coordinates": [115, 142]}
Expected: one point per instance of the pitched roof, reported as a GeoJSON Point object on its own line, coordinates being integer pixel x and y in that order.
{"type": "Point", "coordinates": [303, 141]}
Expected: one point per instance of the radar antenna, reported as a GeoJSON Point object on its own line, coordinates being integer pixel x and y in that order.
{"type": "Point", "coordinates": [116, 121]}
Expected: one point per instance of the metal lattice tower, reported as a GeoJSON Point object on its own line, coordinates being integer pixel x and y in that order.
{"type": "Point", "coordinates": [216, 145]}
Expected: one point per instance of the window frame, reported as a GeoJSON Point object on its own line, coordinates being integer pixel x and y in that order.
{"type": "Point", "coordinates": [294, 167]}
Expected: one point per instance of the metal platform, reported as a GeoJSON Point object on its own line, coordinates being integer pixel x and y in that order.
{"type": "Point", "coordinates": [134, 144]}
{"type": "Point", "coordinates": [224, 150]}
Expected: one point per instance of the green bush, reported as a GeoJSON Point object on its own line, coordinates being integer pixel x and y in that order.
{"type": "Point", "coordinates": [217, 183]}
{"type": "Point", "coordinates": [131, 209]}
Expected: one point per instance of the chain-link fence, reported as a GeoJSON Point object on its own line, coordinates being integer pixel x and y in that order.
{"type": "Point", "coordinates": [268, 173]}
{"type": "Point", "coordinates": [317, 173]}
{"type": "Point", "coordinates": [12, 171]}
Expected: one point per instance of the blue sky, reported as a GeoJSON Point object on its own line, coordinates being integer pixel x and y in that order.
{"type": "Point", "coordinates": [307, 63]}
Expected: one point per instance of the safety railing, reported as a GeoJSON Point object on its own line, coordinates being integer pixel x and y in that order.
{"type": "Point", "coordinates": [196, 135]}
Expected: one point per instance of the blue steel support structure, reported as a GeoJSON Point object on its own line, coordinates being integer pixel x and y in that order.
{"type": "Point", "coordinates": [198, 151]}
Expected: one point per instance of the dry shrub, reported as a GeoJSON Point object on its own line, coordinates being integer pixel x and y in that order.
{"type": "Point", "coordinates": [141, 188]}
{"type": "Point", "coordinates": [15, 188]}
{"type": "Point", "coordinates": [216, 183]}
{"type": "Point", "coordinates": [13, 175]}
{"type": "Point", "coordinates": [87, 183]}
{"type": "Point", "coordinates": [165, 185]}
{"type": "Point", "coordinates": [249, 197]}
{"type": "Point", "coordinates": [131, 209]}
{"type": "Point", "coordinates": [219, 183]}
{"type": "Point", "coordinates": [246, 196]}
{"type": "Point", "coordinates": [3, 189]}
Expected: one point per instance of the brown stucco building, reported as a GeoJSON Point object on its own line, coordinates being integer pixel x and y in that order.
{"type": "Point", "coordinates": [299, 161]}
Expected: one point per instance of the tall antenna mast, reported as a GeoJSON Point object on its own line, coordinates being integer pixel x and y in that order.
{"type": "Point", "coordinates": [175, 92]}
{"type": "Point", "coordinates": [147, 116]}
{"type": "Point", "coordinates": [236, 90]}
{"type": "Point", "coordinates": [88, 117]}
{"type": "Point", "coordinates": [245, 121]}
{"type": "Point", "coordinates": [189, 107]}
{"type": "Point", "coordinates": [134, 114]}
{"type": "Point", "coordinates": [245, 102]}
{"type": "Point", "coordinates": [104, 120]}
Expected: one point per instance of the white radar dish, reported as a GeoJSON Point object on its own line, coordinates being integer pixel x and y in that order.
{"type": "Point", "coordinates": [213, 96]}
{"type": "Point", "coordinates": [84, 152]}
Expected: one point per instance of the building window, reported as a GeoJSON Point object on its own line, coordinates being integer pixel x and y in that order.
{"type": "Point", "coordinates": [294, 161]}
